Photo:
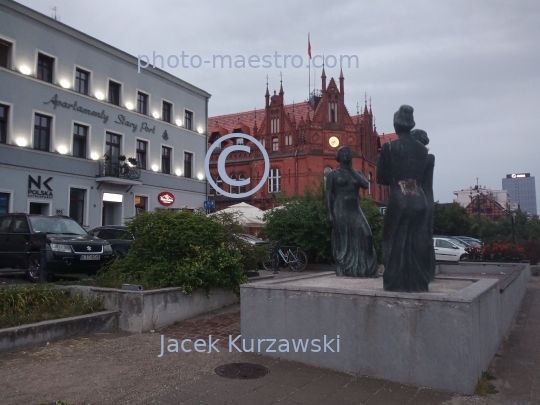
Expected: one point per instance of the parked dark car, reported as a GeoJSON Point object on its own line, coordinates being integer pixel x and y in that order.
{"type": "Point", "coordinates": [117, 235]}
{"type": "Point", "coordinates": [252, 240]}
{"type": "Point", "coordinates": [45, 245]}
{"type": "Point", "coordinates": [470, 241]}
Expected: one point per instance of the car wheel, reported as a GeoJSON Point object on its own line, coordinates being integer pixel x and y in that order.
{"type": "Point", "coordinates": [463, 257]}
{"type": "Point", "coordinates": [34, 269]}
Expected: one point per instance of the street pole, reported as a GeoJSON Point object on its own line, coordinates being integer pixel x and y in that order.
{"type": "Point", "coordinates": [514, 227]}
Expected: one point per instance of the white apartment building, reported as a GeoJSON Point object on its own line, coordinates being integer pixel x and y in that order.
{"type": "Point", "coordinates": [83, 134]}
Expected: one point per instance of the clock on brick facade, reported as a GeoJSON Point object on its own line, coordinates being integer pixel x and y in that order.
{"type": "Point", "coordinates": [334, 142]}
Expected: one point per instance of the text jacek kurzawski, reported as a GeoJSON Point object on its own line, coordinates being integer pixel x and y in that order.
{"type": "Point", "coordinates": [236, 344]}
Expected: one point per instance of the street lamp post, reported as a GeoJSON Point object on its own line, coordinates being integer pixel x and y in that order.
{"type": "Point", "coordinates": [514, 227]}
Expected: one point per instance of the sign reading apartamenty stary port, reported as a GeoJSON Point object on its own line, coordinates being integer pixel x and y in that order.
{"type": "Point", "coordinates": [221, 165]}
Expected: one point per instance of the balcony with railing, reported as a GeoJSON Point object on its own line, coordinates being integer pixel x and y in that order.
{"type": "Point", "coordinates": [118, 171]}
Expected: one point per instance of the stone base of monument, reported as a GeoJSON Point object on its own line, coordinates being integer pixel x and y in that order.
{"type": "Point", "coordinates": [443, 339]}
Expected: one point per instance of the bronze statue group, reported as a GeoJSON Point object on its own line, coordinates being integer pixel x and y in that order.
{"type": "Point", "coordinates": [407, 168]}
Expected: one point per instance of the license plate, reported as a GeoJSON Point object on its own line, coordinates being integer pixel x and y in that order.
{"type": "Point", "coordinates": [90, 257]}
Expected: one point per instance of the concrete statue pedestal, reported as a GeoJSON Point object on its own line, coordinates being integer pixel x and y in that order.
{"type": "Point", "coordinates": [443, 339]}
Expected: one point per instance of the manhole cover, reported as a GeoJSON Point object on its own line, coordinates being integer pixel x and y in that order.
{"type": "Point", "coordinates": [241, 371]}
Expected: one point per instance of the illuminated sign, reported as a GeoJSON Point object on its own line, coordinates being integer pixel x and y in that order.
{"type": "Point", "coordinates": [518, 175]}
{"type": "Point", "coordinates": [166, 198]}
{"type": "Point", "coordinates": [112, 197]}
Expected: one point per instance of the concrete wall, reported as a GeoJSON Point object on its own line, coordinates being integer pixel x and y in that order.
{"type": "Point", "coordinates": [441, 342]}
{"type": "Point", "coordinates": [142, 311]}
{"type": "Point", "coordinates": [23, 336]}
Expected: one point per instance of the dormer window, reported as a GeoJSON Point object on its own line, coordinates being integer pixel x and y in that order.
{"type": "Point", "coordinates": [239, 141]}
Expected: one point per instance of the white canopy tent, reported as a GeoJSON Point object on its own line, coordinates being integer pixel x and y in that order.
{"type": "Point", "coordinates": [248, 215]}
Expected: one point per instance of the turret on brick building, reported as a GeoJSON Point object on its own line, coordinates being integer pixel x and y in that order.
{"type": "Point", "coordinates": [301, 140]}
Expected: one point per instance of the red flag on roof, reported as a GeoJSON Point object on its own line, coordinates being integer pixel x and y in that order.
{"type": "Point", "coordinates": [308, 46]}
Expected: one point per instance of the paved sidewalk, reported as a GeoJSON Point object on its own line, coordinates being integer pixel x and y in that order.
{"type": "Point", "coordinates": [516, 368]}
{"type": "Point", "coordinates": [123, 368]}
{"type": "Point", "coordinates": [287, 382]}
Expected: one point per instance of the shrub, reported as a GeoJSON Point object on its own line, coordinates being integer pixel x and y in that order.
{"type": "Point", "coordinates": [21, 305]}
{"type": "Point", "coordinates": [178, 249]}
{"type": "Point", "coordinates": [302, 221]}
{"type": "Point", "coordinates": [498, 252]}
{"type": "Point", "coordinates": [531, 250]}
{"type": "Point", "coordinates": [474, 253]}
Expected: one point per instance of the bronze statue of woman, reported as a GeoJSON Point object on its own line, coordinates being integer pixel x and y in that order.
{"type": "Point", "coordinates": [427, 185]}
{"type": "Point", "coordinates": [403, 165]}
{"type": "Point", "coordinates": [352, 241]}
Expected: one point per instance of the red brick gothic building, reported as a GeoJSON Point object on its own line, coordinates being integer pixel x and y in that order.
{"type": "Point", "coordinates": [301, 141]}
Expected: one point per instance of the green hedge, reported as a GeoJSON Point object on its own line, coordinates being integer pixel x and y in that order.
{"type": "Point", "coordinates": [180, 249]}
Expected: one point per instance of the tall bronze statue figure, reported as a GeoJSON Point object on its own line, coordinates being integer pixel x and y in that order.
{"type": "Point", "coordinates": [352, 241]}
{"type": "Point", "coordinates": [427, 185]}
{"type": "Point", "coordinates": [403, 165]}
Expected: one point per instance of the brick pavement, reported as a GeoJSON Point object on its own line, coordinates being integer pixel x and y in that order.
{"type": "Point", "coordinates": [122, 368]}
{"type": "Point", "coordinates": [287, 383]}
{"type": "Point", "coordinates": [516, 367]}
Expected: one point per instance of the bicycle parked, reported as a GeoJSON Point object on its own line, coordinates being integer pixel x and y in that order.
{"type": "Point", "coordinates": [292, 256]}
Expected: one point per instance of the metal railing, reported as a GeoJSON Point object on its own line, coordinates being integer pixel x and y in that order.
{"type": "Point", "coordinates": [119, 168]}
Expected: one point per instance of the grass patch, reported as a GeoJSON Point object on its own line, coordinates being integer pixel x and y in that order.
{"type": "Point", "coordinates": [484, 387]}
{"type": "Point", "coordinates": [22, 305]}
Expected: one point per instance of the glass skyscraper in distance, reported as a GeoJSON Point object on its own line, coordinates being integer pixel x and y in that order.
{"type": "Point", "coordinates": [522, 190]}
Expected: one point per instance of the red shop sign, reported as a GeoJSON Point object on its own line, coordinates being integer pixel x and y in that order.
{"type": "Point", "coordinates": [166, 198]}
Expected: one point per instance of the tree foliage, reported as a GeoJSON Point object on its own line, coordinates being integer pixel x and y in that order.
{"type": "Point", "coordinates": [303, 220]}
{"type": "Point", "coordinates": [450, 219]}
{"type": "Point", "coordinates": [375, 220]}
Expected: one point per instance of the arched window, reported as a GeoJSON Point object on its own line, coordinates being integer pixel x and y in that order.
{"type": "Point", "coordinates": [288, 140]}
{"type": "Point", "coordinates": [242, 188]}
{"type": "Point", "coordinates": [263, 141]}
{"type": "Point", "coordinates": [332, 111]}
{"type": "Point", "coordinates": [274, 181]}
{"type": "Point", "coordinates": [219, 183]}
{"type": "Point", "coordinates": [275, 144]}
{"type": "Point", "coordinates": [234, 189]}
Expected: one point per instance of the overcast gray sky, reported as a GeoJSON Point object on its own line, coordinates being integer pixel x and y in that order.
{"type": "Point", "coordinates": [469, 68]}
